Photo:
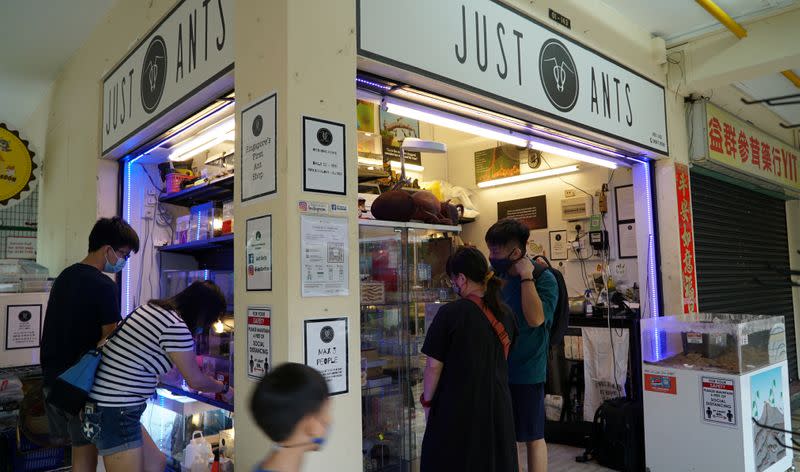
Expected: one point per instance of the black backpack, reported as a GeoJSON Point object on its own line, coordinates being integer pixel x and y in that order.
{"type": "Point", "coordinates": [561, 314]}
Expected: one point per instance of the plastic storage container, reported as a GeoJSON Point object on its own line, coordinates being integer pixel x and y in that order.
{"type": "Point", "coordinates": [714, 342]}
{"type": "Point", "coordinates": [201, 223]}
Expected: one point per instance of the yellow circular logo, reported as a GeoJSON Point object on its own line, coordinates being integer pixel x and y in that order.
{"type": "Point", "coordinates": [17, 167]}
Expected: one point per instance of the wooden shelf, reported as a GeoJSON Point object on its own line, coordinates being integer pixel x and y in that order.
{"type": "Point", "coordinates": [200, 246]}
{"type": "Point", "coordinates": [219, 189]}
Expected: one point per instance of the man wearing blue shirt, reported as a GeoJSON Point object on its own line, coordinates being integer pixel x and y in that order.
{"type": "Point", "coordinates": [533, 303]}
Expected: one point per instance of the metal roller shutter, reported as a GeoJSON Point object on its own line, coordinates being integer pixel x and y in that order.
{"type": "Point", "coordinates": [740, 241]}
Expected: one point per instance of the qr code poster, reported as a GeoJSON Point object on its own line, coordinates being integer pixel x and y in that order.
{"type": "Point", "coordinates": [324, 256]}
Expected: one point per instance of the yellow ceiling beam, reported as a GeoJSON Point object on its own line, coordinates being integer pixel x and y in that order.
{"type": "Point", "coordinates": [714, 10]}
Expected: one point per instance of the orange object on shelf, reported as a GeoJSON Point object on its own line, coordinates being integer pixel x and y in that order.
{"type": "Point", "coordinates": [174, 181]}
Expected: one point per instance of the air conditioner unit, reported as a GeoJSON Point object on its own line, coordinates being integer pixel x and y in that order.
{"type": "Point", "coordinates": [576, 208]}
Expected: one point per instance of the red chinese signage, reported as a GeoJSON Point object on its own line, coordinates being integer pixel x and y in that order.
{"type": "Point", "coordinates": [686, 231]}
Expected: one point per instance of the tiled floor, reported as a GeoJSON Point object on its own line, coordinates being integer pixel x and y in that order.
{"type": "Point", "coordinates": [562, 459]}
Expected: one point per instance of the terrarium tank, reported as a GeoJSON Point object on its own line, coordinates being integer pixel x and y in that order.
{"type": "Point", "coordinates": [716, 393]}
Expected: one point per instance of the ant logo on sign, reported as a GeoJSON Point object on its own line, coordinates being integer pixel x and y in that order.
{"type": "Point", "coordinates": [326, 334]}
{"type": "Point", "coordinates": [154, 74]}
{"type": "Point", "coordinates": [324, 136]}
{"type": "Point", "coordinates": [258, 125]}
{"type": "Point", "coordinates": [559, 75]}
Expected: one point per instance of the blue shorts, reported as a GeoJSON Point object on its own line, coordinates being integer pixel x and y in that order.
{"type": "Point", "coordinates": [113, 429]}
{"type": "Point", "coordinates": [527, 402]}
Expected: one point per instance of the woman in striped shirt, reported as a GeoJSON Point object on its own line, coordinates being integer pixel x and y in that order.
{"type": "Point", "coordinates": [152, 339]}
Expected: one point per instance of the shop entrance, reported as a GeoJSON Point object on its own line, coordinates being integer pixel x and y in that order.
{"type": "Point", "coordinates": [588, 208]}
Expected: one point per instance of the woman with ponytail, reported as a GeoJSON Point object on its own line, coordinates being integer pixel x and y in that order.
{"type": "Point", "coordinates": [466, 397]}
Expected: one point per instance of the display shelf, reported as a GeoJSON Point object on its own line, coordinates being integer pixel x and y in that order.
{"type": "Point", "coordinates": [219, 189]}
{"type": "Point", "coordinates": [200, 246]}
{"type": "Point", "coordinates": [179, 392]}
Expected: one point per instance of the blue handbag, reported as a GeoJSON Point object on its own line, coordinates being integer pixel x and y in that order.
{"type": "Point", "coordinates": [71, 389]}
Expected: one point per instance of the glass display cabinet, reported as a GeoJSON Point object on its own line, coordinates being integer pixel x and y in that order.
{"type": "Point", "coordinates": [403, 284]}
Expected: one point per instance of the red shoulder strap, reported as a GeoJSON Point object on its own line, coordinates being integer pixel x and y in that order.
{"type": "Point", "coordinates": [497, 326]}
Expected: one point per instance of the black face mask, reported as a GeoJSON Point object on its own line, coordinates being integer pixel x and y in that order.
{"type": "Point", "coordinates": [502, 265]}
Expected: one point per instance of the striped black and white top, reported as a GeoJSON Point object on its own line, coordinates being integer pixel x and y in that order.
{"type": "Point", "coordinates": [135, 357]}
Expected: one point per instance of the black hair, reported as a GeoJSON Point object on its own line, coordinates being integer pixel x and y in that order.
{"type": "Point", "coordinates": [285, 396]}
{"type": "Point", "coordinates": [198, 305]}
{"type": "Point", "coordinates": [508, 230]}
{"type": "Point", "coordinates": [114, 232]}
{"type": "Point", "coordinates": [472, 263]}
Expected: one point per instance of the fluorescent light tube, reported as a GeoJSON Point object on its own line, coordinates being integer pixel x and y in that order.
{"type": "Point", "coordinates": [466, 125]}
{"type": "Point", "coordinates": [529, 176]}
{"type": "Point", "coordinates": [370, 162]}
{"type": "Point", "coordinates": [441, 120]}
{"type": "Point", "coordinates": [411, 167]}
{"type": "Point", "coordinates": [565, 151]}
{"type": "Point", "coordinates": [218, 133]}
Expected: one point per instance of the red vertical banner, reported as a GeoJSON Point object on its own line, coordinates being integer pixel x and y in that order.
{"type": "Point", "coordinates": [686, 232]}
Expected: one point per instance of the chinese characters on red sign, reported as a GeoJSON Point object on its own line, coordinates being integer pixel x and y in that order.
{"type": "Point", "coordinates": [688, 273]}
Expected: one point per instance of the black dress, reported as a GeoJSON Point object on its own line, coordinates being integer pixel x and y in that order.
{"type": "Point", "coordinates": [471, 427]}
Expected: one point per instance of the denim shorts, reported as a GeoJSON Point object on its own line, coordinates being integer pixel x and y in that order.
{"type": "Point", "coordinates": [113, 429]}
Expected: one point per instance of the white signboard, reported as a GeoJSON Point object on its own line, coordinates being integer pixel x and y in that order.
{"type": "Point", "coordinates": [719, 401]}
{"type": "Point", "coordinates": [324, 166]}
{"type": "Point", "coordinates": [259, 342]}
{"type": "Point", "coordinates": [259, 166]}
{"type": "Point", "coordinates": [20, 247]}
{"type": "Point", "coordinates": [558, 245]}
{"type": "Point", "coordinates": [492, 49]}
{"type": "Point", "coordinates": [190, 48]}
{"type": "Point", "coordinates": [326, 351]}
{"type": "Point", "coordinates": [324, 256]}
{"type": "Point", "coordinates": [23, 326]}
{"type": "Point", "coordinates": [258, 251]}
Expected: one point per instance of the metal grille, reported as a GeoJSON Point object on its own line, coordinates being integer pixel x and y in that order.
{"type": "Point", "coordinates": [740, 243]}
{"type": "Point", "coordinates": [19, 220]}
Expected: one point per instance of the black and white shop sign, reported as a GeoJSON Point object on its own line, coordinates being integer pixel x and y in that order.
{"type": "Point", "coordinates": [190, 47]}
{"type": "Point", "coordinates": [494, 50]}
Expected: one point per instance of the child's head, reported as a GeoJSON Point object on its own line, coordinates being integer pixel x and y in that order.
{"type": "Point", "coordinates": [290, 405]}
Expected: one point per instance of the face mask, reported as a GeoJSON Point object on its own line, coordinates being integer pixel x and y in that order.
{"type": "Point", "coordinates": [114, 268]}
{"type": "Point", "coordinates": [320, 441]}
{"type": "Point", "coordinates": [456, 288]}
{"type": "Point", "coordinates": [501, 265]}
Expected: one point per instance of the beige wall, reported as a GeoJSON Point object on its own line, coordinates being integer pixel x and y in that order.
{"type": "Point", "coordinates": [77, 187]}
{"type": "Point", "coordinates": [304, 51]}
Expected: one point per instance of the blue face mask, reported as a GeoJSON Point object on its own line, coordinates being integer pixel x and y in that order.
{"type": "Point", "coordinates": [114, 268]}
{"type": "Point", "coordinates": [320, 441]}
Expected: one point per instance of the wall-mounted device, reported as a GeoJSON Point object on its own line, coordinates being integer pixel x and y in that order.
{"type": "Point", "coordinates": [576, 208]}
{"type": "Point", "coordinates": [599, 240]}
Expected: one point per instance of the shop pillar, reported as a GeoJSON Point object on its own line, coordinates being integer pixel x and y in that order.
{"type": "Point", "coordinates": [305, 53]}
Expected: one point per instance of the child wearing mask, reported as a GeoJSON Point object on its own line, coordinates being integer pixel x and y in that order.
{"type": "Point", "coordinates": [292, 408]}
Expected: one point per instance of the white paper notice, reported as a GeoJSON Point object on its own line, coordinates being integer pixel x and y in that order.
{"type": "Point", "coordinates": [21, 247]}
{"type": "Point", "coordinates": [259, 164]}
{"type": "Point", "coordinates": [625, 206]}
{"type": "Point", "coordinates": [259, 253]}
{"type": "Point", "coordinates": [558, 245]}
{"type": "Point", "coordinates": [326, 351]}
{"type": "Point", "coordinates": [258, 341]}
{"type": "Point", "coordinates": [627, 239]}
{"type": "Point", "coordinates": [324, 167]}
{"type": "Point", "coordinates": [324, 256]}
{"type": "Point", "coordinates": [23, 326]}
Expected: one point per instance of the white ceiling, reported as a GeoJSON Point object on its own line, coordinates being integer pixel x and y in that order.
{"type": "Point", "coordinates": [679, 21]}
{"type": "Point", "coordinates": [38, 37]}
{"type": "Point", "coordinates": [770, 86]}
